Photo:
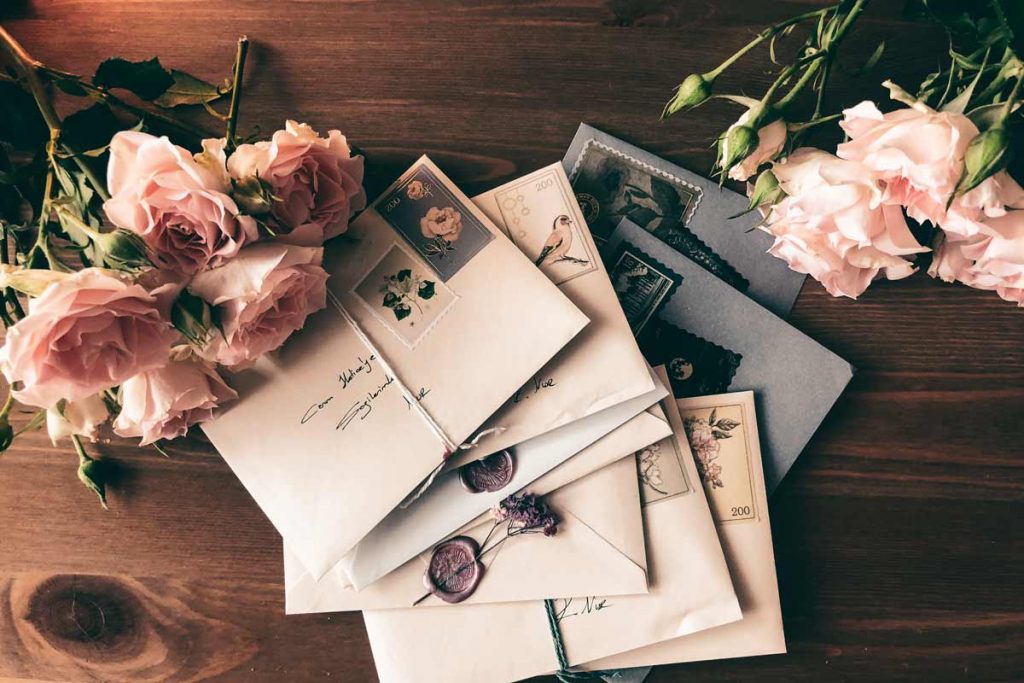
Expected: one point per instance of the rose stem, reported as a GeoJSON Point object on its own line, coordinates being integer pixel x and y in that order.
{"type": "Point", "coordinates": [236, 90]}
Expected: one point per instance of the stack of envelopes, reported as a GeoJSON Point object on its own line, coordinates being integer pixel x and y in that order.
{"type": "Point", "coordinates": [598, 333]}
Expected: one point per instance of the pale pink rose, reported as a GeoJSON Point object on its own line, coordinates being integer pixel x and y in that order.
{"type": "Point", "coordinates": [81, 418]}
{"type": "Point", "coordinates": [177, 203]}
{"type": "Point", "coordinates": [917, 151]}
{"type": "Point", "coordinates": [85, 333]}
{"type": "Point", "coordinates": [992, 259]}
{"type": "Point", "coordinates": [445, 223]}
{"type": "Point", "coordinates": [770, 141]}
{"type": "Point", "coordinates": [968, 214]}
{"type": "Point", "coordinates": [316, 181]}
{"type": "Point", "coordinates": [262, 295]}
{"type": "Point", "coordinates": [164, 402]}
{"type": "Point", "coordinates": [835, 225]}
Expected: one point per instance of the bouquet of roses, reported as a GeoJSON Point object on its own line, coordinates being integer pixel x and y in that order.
{"type": "Point", "coordinates": [940, 159]}
{"type": "Point", "coordinates": [124, 300]}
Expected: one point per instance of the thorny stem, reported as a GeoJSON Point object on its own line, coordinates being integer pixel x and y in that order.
{"type": "Point", "coordinates": [236, 90]}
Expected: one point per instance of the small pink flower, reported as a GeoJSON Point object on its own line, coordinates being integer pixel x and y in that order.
{"type": "Point", "coordinates": [445, 223]}
{"type": "Point", "coordinates": [835, 225]}
{"type": "Point", "coordinates": [177, 203]}
{"type": "Point", "coordinates": [263, 295]}
{"type": "Point", "coordinates": [918, 152]}
{"type": "Point", "coordinates": [991, 259]}
{"type": "Point", "coordinates": [164, 402]}
{"type": "Point", "coordinates": [85, 333]}
{"type": "Point", "coordinates": [316, 182]}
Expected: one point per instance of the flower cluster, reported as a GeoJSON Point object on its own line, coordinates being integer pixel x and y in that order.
{"type": "Point", "coordinates": [230, 266]}
{"type": "Point", "coordinates": [526, 513]}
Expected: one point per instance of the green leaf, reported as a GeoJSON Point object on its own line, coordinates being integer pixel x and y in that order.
{"type": "Point", "coordinates": [1013, 21]}
{"type": "Point", "coordinates": [90, 129]}
{"type": "Point", "coordinates": [988, 115]}
{"type": "Point", "coordinates": [21, 124]}
{"type": "Point", "coordinates": [404, 274]}
{"type": "Point", "coordinates": [426, 290]}
{"type": "Point", "coordinates": [148, 79]}
{"type": "Point", "coordinates": [187, 89]}
{"type": "Point", "coordinates": [71, 86]}
{"type": "Point", "coordinates": [727, 424]}
{"type": "Point", "coordinates": [720, 435]}
{"type": "Point", "coordinates": [711, 417]}
{"type": "Point", "coordinates": [873, 59]}
{"type": "Point", "coordinates": [666, 197]}
{"type": "Point", "coordinates": [6, 433]}
{"type": "Point", "coordinates": [402, 311]}
{"type": "Point", "coordinates": [391, 300]}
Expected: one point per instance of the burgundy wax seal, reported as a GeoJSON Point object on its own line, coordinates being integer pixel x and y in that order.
{"type": "Point", "coordinates": [489, 474]}
{"type": "Point", "coordinates": [454, 570]}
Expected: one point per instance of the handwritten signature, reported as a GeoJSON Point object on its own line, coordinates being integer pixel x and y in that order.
{"type": "Point", "coordinates": [589, 606]}
{"type": "Point", "coordinates": [534, 386]}
{"type": "Point", "coordinates": [420, 395]}
{"type": "Point", "coordinates": [364, 366]}
{"type": "Point", "coordinates": [349, 374]}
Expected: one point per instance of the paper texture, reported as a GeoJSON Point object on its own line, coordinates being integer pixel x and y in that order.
{"type": "Point", "coordinates": [713, 339]}
{"type": "Point", "coordinates": [599, 526]}
{"type": "Point", "coordinates": [746, 539]}
{"type": "Point", "coordinates": [690, 590]}
{"type": "Point", "coordinates": [420, 343]}
{"type": "Point", "coordinates": [447, 505]}
{"type": "Point", "coordinates": [538, 212]}
{"type": "Point", "coordinates": [614, 179]}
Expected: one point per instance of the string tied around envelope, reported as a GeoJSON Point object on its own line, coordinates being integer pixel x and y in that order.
{"type": "Point", "coordinates": [564, 674]}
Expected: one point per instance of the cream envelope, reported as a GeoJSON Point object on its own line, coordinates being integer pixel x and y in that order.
{"type": "Point", "coordinates": [434, 319]}
{"type": "Point", "coordinates": [599, 526]}
{"type": "Point", "coordinates": [690, 591]}
{"type": "Point", "coordinates": [540, 215]}
{"type": "Point", "coordinates": [746, 539]}
{"type": "Point", "coordinates": [446, 506]}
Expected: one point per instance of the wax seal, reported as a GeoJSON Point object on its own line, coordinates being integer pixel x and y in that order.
{"type": "Point", "coordinates": [454, 570]}
{"type": "Point", "coordinates": [492, 473]}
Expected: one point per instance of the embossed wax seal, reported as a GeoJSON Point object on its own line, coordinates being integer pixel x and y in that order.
{"type": "Point", "coordinates": [489, 474]}
{"type": "Point", "coordinates": [454, 570]}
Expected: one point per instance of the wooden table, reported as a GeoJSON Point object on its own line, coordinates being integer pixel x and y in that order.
{"type": "Point", "coordinates": [898, 534]}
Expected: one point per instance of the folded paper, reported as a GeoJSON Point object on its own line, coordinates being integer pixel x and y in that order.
{"type": "Point", "coordinates": [419, 345]}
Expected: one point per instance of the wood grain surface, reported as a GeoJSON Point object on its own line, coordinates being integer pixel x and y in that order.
{"type": "Point", "coordinates": [898, 534]}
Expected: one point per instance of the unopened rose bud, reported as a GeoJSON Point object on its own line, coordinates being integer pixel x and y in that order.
{"type": "Point", "coordinates": [694, 90]}
{"type": "Point", "coordinates": [766, 191]}
{"type": "Point", "coordinates": [93, 473]}
{"type": "Point", "coordinates": [123, 250]}
{"type": "Point", "coordinates": [6, 433]}
{"type": "Point", "coordinates": [31, 281]}
{"type": "Point", "coordinates": [193, 317]}
{"type": "Point", "coordinates": [253, 195]}
{"type": "Point", "coordinates": [988, 153]}
{"type": "Point", "coordinates": [737, 144]}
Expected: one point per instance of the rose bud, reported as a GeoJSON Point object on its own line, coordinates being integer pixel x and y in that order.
{"type": "Point", "coordinates": [92, 473]}
{"type": "Point", "coordinates": [693, 91]}
{"type": "Point", "coordinates": [735, 145]}
{"type": "Point", "coordinates": [253, 195]}
{"type": "Point", "coordinates": [122, 250]}
{"type": "Point", "coordinates": [988, 153]}
{"type": "Point", "coordinates": [766, 190]}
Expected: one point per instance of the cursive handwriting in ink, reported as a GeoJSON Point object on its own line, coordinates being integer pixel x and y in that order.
{"type": "Point", "coordinates": [314, 409]}
{"type": "Point", "coordinates": [534, 385]}
{"type": "Point", "coordinates": [363, 408]}
{"type": "Point", "coordinates": [349, 374]}
{"type": "Point", "coordinates": [420, 395]}
{"type": "Point", "coordinates": [589, 606]}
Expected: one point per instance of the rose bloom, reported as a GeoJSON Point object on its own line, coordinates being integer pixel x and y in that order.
{"type": "Point", "coordinates": [445, 223]}
{"type": "Point", "coordinates": [88, 332]}
{"type": "Point", "coordinates": [771, 138]}
{"type": "Point", "coordinates": [263, 295]}
{"type": "Point", "coordinates": [164, 402]}
{"type": "Point", "coordinates": [917, 151]}
{"type": "Point", "coordinates": [415, 190]}
{"type": "Point", "coordinates": [177, 203]}
{"type": "Point", "coordinates": [835, 225]}
{"type": "Point", "coordinates": [316, 181]}
{"type": "Point", "coordinates": [970, 213]}
{"type": "Point", "coordinates": [992, 260]}
{"type": "Point", "coordinates": [81, 418]}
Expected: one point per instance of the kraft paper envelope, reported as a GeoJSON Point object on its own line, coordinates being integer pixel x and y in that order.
{"type": "Point", "coordinates": [540, 215]}
{"type": "Point", "coordinates": [746, 539]}
{"type": "Point", "coordinates": [599, 526]}
{"type": "Point", "coordinates": [446, 506]}
{"type": "Point", "coordinates": [688, 213]}
{"type": "Point", "coordinates": [712, 339]}
{"type": "Point", "coordinates": [434, 319]}
{"type": "Point", "coordinates": [690, 590]}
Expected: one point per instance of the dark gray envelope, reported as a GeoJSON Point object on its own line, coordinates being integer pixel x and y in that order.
{"type": "Point", "coordinates": [614, 180]}
{"type": "Point", "coordinates": [712, 339]}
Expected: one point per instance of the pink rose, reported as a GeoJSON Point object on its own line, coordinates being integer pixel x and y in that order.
{"type": "Point", "coordinates": [992, 259]}
{"type": "Point", "coordinates": [445, 223]}
{"type": "Point", "coordinates": [771, 138]}
{"type": "Point", "coordinates": [87, 332]}
{"type": "Point", "coordinates": [81, 418]}
{"type": "Point", "coordinates": [316, 181]}
{"type": "Point", "coordinates": [702, 438]}
{"type": "Point", "coordinates": [164, 402]}
{"type": "Point", "coordinates": [834, 224]}
{"type": "Point", "coordinates": [917, 151]}
{"type": "Point", "coordinates": [968, 214]}
{"type": "Point", "coordinates": [177, 203]}
{"type": "Point", "coordinates": [263, 295]}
